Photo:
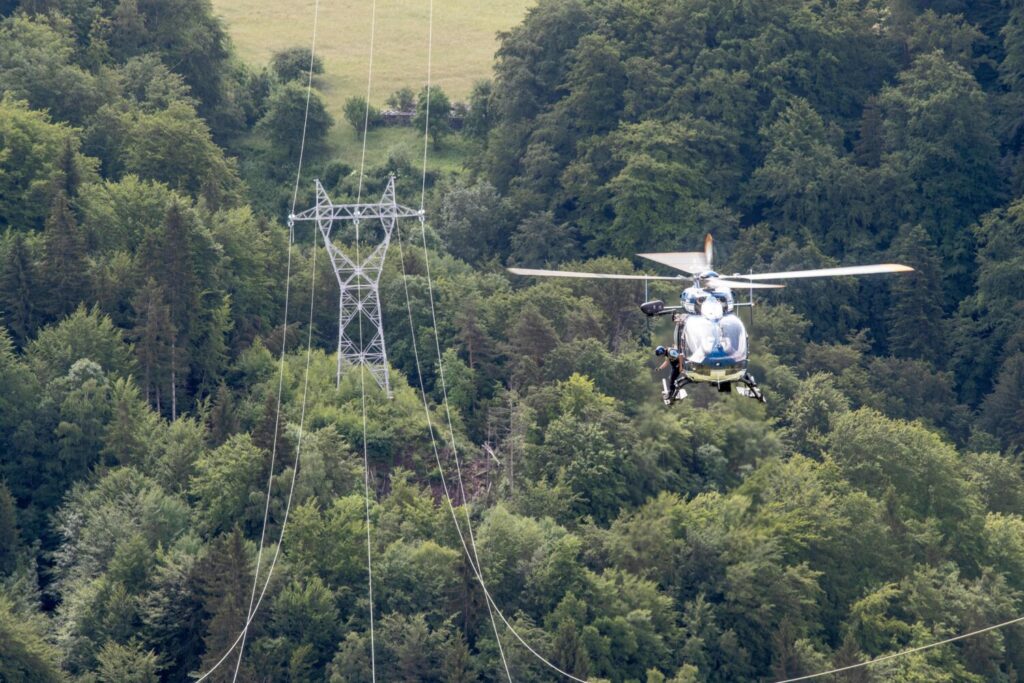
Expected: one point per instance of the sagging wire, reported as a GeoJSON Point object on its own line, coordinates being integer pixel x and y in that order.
{"type": "Point", "coordinates": [284, 336]}
{"type": "Point", "coordinates": [473, 556]}
{"type": "Point", "coordinates": [423, 195]}
{"type": "Point", "coordinates": [255, 603]}
{"type": "Point", "coordinates": [291, 488]}
{"type": "Point", "coordinates": [902, 653]}
{"type": "Point", "coordinates": [362, 366]}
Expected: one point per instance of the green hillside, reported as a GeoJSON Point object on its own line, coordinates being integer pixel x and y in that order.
{"type": "Point", "coordinates": [465, 38]}
{"type": "Point", "coordinates": [174, 434]}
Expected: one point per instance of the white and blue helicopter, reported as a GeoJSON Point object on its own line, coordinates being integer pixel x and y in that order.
{"type": "Point", "coordinates": [710, 341]}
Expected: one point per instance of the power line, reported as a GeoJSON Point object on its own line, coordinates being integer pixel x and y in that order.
{"type": "Point", "coordinates": [437, 457]}
{"type": "Point", "coordinates": [474, 565]}
{"type": "Point", "coordinates": [423, 197]}
{"type": "Point", "coordinates": [473, 556]}
{"type": "Point", "coordinates": [362, 366]}
{"type": "Point", "coordinates": [902, 653]}
{"type": "Point", "coordinates": [291, 488]}
{"type": "Point", "coordinates": [254, 603]}
{"type": "Point", "coordinates": [284, 345]}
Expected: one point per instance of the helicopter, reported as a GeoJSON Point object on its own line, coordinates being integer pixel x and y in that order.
{"type": "Point", "coordinates": [710, 340]}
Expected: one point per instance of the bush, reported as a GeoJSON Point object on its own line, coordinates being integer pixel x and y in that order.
{"type": "Point", "coordinates": [293, 64]}
{"type": "Point", "coordinates": [360, 114]}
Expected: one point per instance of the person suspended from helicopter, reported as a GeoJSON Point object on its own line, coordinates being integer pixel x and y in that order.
{"type": "Point", "coordinates": [673, 389]}
{"type": "Point", "coordinates": [673, 359]}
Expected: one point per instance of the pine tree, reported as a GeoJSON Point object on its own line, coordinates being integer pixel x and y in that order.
{"type": "Point", "coordinates": [64, 261]}
{"type": "Point", "coordinates": [225, 584]}
{"type": "Point", "coordinates": [168, 258]}
{"type": "Point", "coordinates": [223, 418]}
{"type": "Point", "coordinates": [9, 541]}
{"type": "Point", "coordinates": [915, 316]}
{"type": "Point", "coordinates": [68, 178]}
{"type": "Point", "coordinates": [173, 614]}
{"type": "Point", "coordinates": [210, 354]}
{"type": "Point", "coordinates": [173, 256]}
{"type": "Point", "coordinates": [127, 664]}
{"type": "Point", "coordinates": [19, 290]}
{"type": "Point", "coordinates": [1002, 413]}
{"type": "Point", "coordinates": [870, 139]}
{"type": "Point", "coordinates": [272, 422]}
{"type": "Point", "coordinates": [129, 29]}
{"type": "Point", "coordinates": [154, 335]}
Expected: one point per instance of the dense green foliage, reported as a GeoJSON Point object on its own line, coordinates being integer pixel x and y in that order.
{"type": "Point", "coordinates": [875, 503]}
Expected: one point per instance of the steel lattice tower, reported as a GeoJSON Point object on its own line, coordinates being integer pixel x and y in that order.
{"type": "Point", "coordinates": [359, 282]}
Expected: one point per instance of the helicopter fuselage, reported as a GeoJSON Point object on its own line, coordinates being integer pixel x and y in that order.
{"type": "Point", "coordinates": [715, 350]}
{"type": "Point", "coordinates": [711, 337]}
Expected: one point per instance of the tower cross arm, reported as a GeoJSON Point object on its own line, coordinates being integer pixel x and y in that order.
{"type": "Point", "coordinates": [352, 212]}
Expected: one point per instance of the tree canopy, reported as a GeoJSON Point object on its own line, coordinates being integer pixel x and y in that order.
{"type": "Point", "coordinates": [155, 408]}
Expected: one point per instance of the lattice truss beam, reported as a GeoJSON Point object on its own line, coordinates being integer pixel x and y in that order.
{"type": "Point", "coordinates": [359, 277]}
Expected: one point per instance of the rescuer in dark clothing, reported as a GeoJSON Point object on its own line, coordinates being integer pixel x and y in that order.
{"type": "Point", "coordinates": [673, 359]}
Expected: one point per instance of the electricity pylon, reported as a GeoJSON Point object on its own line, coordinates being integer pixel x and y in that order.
{"type": "Point", "coordinates": [359, 278]}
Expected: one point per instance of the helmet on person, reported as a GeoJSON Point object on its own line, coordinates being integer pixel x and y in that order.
{"type": "Point", "coordinates": [660, 351]}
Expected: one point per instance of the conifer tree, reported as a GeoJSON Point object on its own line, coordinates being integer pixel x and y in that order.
{"type": "Point", "coordinates": [19, 287]}
{"type": "Point", "coordinates": [915, 316]}
{"type": "Point", "coordinates": [272, 422]}
{"type": "Point", "coordinates": [210, 353]}
{"type": "Point", "coordinates": [154, 335]}
{"type": "Point", "coordinates": [173, 614]}
{"type": "Point", "coordinates": [223, 418]}
{"type": "Point", "coordinates": [1002, 413]}
{"type": "Point", "coordinates": [168, 258]}
{"type": "Point", "coordinates": [68, 177]}
{"type": "Point", "coordinates": [870, 141]}
{"type": "Point", "coordinates": [64, 260]}
{"type": "Point", "coordinates": [129, 29]}
{"type": "Point", "coordinates": [127, 664]}
{"type": "Point", "coordinates": [9, 541]}
{"type": "Point", "coordinates": [225, 583]}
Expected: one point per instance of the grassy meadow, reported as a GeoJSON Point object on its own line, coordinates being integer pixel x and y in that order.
{"type": "Point", "coordinates": [464, 44]}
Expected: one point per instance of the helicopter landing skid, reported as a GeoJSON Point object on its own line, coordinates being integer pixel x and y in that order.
{"type": "Point", "coordinates": [748, 387]}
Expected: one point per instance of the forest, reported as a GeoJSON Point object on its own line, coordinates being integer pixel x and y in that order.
{"type": "Point", "coordinates": [154, 385]}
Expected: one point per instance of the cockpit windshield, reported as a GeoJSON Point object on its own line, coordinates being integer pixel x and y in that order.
{"type": "Point", "coordinates": [706, 338]}
{"type": "Point", "coordinates": [711, 308]}
{"type": "Point", "coordinates": [733, 337]}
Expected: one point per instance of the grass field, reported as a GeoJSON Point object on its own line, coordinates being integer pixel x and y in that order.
{"type": "Point", "coordinates": [464, 44]}
{"type": "Point", "coordinates": [464, 40]}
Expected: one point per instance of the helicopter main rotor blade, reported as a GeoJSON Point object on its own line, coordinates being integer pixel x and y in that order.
{"type": "Point", "coordinates": [689, 262]}
{"type": "Point", "coordinates": [736, 284]}
{"type": "Point", "coordinates": [828, 272]}
{"type": "Point", "coordinates": [601, 276]}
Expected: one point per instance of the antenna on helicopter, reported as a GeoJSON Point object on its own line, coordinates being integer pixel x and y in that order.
{"type": "Point", "coordinates": [751, 290]}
